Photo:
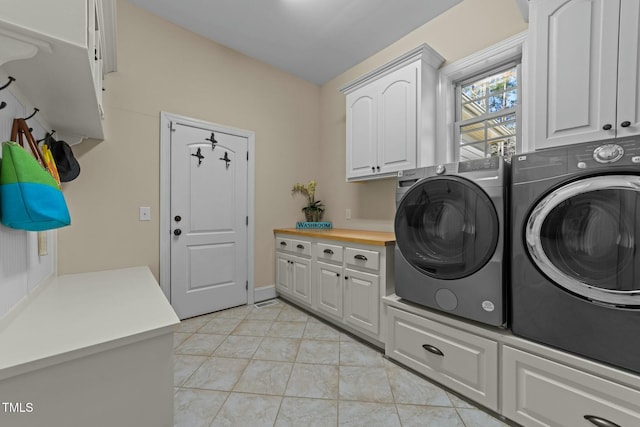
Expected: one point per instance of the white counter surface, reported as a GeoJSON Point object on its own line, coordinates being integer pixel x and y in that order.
{"type": "Point", "coordinates": [80, 314]}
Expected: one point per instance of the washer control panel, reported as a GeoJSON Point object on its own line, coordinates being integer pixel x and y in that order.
{"type": "Point", "coordinates": [608, 153]}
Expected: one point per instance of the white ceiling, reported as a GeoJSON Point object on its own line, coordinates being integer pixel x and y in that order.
{"type": "Point", "coordinates": [316, 40]}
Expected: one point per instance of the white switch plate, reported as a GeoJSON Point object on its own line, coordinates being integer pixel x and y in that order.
{"type": "Point", "coordinates": [348, 213]}
{"type": "Point", "coordinates": [145, 213]}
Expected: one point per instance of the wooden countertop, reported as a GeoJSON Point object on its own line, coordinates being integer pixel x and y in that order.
{"type": "Point", "coordinates": [377, 238]}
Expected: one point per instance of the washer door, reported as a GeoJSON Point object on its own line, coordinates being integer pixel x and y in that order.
{"type": "Point", "coordinates": [446, 227]}
{"type": "Point", "coordinates": [582, 236]}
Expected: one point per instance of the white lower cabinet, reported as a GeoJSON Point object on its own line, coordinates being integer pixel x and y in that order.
{"type": "Point", "coordinates": [540, 392]}
{"type": "Point", "coordinates": [362, 300]}
{"type": "Point", "coordinates": [293, 272]}
{"type": "Point", "coordinates": [462, 361]}
{"type": "Point", "coordinates": [329, 284]}
{"type": "Point", "coordinates": [345, 284]}
{"type": "Point", "coordinates": [525, 382]}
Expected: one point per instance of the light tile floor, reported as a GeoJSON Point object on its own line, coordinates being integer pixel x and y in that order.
{"type": "Point", "coordinates": [278, 366]}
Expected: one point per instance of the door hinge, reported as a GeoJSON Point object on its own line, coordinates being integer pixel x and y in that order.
{"type": "Point", "coordinates": [247, 220]}
{"type": "Point", "coordinates": [246, 285]}
{"type": "Point", "coordinates": [171, 127]}
{"type": "Point", "coordinates": [247, 156]}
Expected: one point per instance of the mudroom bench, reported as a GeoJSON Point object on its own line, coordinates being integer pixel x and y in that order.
{"type": "Point", "coordinates": [89, 349]}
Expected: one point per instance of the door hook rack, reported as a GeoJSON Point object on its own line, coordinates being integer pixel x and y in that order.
{"type": "Point", "coordinates": [199, 156]}
{"type": "Point", "coordinates": [11, 79]}
{"type": "Point", "coordinates": [212, 138]}
{"type": "Point", "coordinates": [226, 159]}
{"type": "Point", "coordinates": [35, 111]}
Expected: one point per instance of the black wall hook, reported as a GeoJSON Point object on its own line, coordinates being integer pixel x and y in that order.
{"type": "Point", "coordinates": [48, 134]}
{"type": "Point", "coordinates": [226, 159]}
{"type": "Point", "coordinates": [212, 138]}
{"type": "Point", "coordinates": [199, 156]}
{"type": "Point", "coordinates": [11, 79]}
{"type": "Point", "coordinates": [35, 111]}
{"type": "Point", "coordinates": [2, 105]}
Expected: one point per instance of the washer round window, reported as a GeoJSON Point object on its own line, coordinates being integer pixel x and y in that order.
{"type": "Point", "coordinates": [583, 237]}
{"type": "Point", "coordinates": [446, 227]}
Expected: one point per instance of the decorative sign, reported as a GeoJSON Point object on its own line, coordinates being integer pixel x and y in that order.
{"type": "Point", "coordinates": [320, 224]}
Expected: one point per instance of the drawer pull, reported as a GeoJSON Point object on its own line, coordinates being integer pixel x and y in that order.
{"type": "Point", "coordinates": [283, 243]}
{"type": "Point", "coordinates": [300, 246]}
{"type": "Point", "coordinates": [360, 257]}
{"type": "Point", "coordinates": [432, 349]}
{"type": "Point", "coordinates": [599, 422]}
{"type": "Point", "coordinates": [328, 251]}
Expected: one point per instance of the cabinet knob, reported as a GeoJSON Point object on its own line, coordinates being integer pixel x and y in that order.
{"type": "Point", "coordinates": [177, 218]}
{"type": "Point", "coordinates": [346, 278]}
{"type": "Point", "coordinates": [432, 349]}
{"type": "Point", "coordinates": [378, 167]}
{"type": "Point", "coordinates": [373, 169]}
{"type": "Point", "coordinates": [337, 274]}
{"type": "Point", "coordinates": [600, 422]}
{"type": "Point", "coordinates": [177, 232]}
{"type": "Point", "coordinates": [625, 124]}
{"type": "Point", "coordinates": [607, 127]}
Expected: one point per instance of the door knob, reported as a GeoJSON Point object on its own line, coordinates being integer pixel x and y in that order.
{"type": "Point", "coordinates": [177, 232]}
{"type": "Point", "coordinates": [625, 124]}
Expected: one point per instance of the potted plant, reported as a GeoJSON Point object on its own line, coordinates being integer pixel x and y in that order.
{"type": "Point", "coordinates": [314, 209]}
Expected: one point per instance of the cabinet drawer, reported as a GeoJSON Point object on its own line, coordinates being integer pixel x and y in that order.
{"type": "Point", "coordinates": [539, 392]}
{"type": "Point", "coordinates": [362, 258]}
{"type": "Point", "coordinates": [283, 244]}
{"type": "Point", "coordinates": [464, 362]}
{"type": "Point", "coordinates": [327, 252]}
{"type": "Point", "coordinates": [300, 247]}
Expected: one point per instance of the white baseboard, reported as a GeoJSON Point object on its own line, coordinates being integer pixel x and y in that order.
{"type": "Point", "coordinates": [264, 293]}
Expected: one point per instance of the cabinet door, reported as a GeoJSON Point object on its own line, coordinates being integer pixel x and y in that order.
{"type": "Point", "coordinates": [361, 132]}
{"type": "Point", "coordinates": [283, 275]}
{"type": "Point", "coordinates": [629, 69]}
{"type": "Point", "coordinates": [397, 120]}
{"type": "Point", "coordinates": [574, 70]}
{"type": "Point", "coordinates": [362, 300]}
{"type": "Point", "coordinates": [329, 289]}
{"type": "Point", "coordinates": [301, 279]}
{"type": "Point", "coordinates": [539, 392]}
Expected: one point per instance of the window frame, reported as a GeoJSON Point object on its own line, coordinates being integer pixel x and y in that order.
{"type": "Point", "coordinates": [517, 110]}
{"type": "Point", "coordinates": [509, 50]}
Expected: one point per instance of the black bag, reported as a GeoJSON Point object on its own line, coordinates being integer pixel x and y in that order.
{"type": "Point", "coordinates": [68, 166]}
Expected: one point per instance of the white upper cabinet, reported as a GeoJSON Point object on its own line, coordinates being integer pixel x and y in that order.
{"type": "Point", "coordinates": [56, 52]}
{"type": "Point", "coordinates": [391, 115]}
{"type": "Point", "coordinates": [584, 70]}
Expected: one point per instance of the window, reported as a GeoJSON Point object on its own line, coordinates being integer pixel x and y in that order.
{"type": "Point", "coordinates": [491, 122]}
{"type": "Point", "coordinates": [487, 113]}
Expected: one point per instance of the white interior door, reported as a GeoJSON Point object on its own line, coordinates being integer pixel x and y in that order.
{"type": "Point", "coordinates": [208, 246]}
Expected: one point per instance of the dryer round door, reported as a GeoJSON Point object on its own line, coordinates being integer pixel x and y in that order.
{"type": "Point", "coordinates": [447, 227]}
{"type": "Point", "coordinates": [582, 236]}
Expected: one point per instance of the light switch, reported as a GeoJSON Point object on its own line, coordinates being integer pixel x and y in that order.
{"type": "Point", "coordinates": [145, 213]}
